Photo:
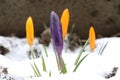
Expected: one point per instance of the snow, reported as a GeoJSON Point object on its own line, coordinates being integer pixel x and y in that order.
{"type": "Point", "coordinates": [94, 67]}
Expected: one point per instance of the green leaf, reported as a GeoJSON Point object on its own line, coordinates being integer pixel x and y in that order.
{"type": "Point", "coordinates": [35, 73]}
{"type": "Point", "coordinates": [78, 64]}
{"type": "Point", "coordinates": [37, 70]}
{"type": "Point", "coordinates": [102, 48]}
{"type": "Point", "coordinates": [69, 37]}
{"type": "Point", "coordinates": [43, 64]}
{"type": "Point", "coordinates": [81, 42]}
{"type": "Point", "coordinates": [50, 74]}
{"type": "Point", "coordinates": [56, 58]}
{"type": "Point", "coordinates": [45, 50]}
{"type": "Point", "coordinates": [44, 25]}
{"type": "Point", "coordinates": [81, 51]}
{"type": "Point", "coordinates": [57, 61]}
{"type": "Point", "coordinates": [64, 70]}
{"type": "Point", "coordinates": [32, 53]}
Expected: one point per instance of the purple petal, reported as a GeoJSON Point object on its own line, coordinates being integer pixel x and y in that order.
{"type": "Point", "coordinates": [56, 33]}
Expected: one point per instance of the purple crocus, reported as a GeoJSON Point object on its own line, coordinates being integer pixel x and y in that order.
{"type": "Point", "coordinates": [56, 33]}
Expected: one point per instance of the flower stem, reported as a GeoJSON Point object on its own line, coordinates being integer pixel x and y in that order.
{"type": "Point", "coordinates": [77, 59]}
{"type": "Point", "coordinates": [32, 53]}
{"type": "Point", "coordinates": [45, 50]}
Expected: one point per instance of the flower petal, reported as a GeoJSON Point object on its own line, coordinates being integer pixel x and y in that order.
{"type": "Point", "coordinates": [29, 31]}
{"type": "Point", "coordinates": [65, 22]}
{"type": "Point", "coordinates": [56, 33]}
{"type": "Point", "coordinates": [92, 38]}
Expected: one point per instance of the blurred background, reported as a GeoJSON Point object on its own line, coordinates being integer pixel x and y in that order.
{"type": "Point", "coordinates": [104, 15]}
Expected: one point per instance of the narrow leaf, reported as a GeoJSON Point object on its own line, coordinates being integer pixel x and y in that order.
{"type": "Point", "coordinates": [57, 61]}
{"type": "Point", "coordinates": [44, 25]}
{"type": "Point", "coordinates": [56, 58]}
{"type": "Point", "coordinates": [102, 48]}
{"type": "Point", "coordinates": [45, 50]}
{"type": "Point", "coordinates": [37, 70]}
{"type": "Point", "coordinates": [50, 74]}
{"type": "Point", "coordinates": [32, 53]}
{"type": "Point", "coordinates": [64, 70]}
{"type": "Point", "coordinates": [69, 37]}
{"type": "Point", "coordinates": [78, 64]}
{"type": "Point", "coordinates": [81, 51]}
{"type": "Point", "coordinates": [43, 64]}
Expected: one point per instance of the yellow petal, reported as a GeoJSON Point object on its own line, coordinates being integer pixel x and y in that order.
{"type": "Point", "coordinates": [30, 31]}
{"type": "Point", "coordinates": [65, 21]}
{"type": "Point", "coordinates": [92, 38]}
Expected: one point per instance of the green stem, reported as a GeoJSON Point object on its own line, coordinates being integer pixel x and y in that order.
{"type": "Point", "coordinates": [69, 37]}
{"type": "Point", "coordinates": [37, 70]}
{"type": "Point", "coordinates": [43, 64]}
{"type": "Point", "coordinates": [77, 59]}
{"type": "Point", "coordinates": [45, 50]}
{"type": "Point", "coordinates": [78, 64]}
{"type": "Point", "coordinates": [44, 25]}
{"type": "Point", "coordinates": [56, 58]}
{"type": "Point", "coordinates": [64, 70]}
{"type": "Point", "coordinates": [50, 73]}
{"type": "Point", "coordinates": [102, 48]}
{"type": "Point", "coordinates": [32, 53]}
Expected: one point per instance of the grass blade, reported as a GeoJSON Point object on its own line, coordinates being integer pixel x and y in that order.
{"type": "Point", "coordinates": [81, 51]}
{"type": "Point", "coordinates": [56, 58]}
{"type": "Point", "coordinates": [78, 64]}
{"type": "Point", "coordinates": [37, 70]}
{"type": "Point", "coordinates": [45, 50]}
{"type": "Point", "coordinates": [73, 26]}
{"type": "Point", "coordinates": [69, 37]}
{"type": "Point", "coordinates": [44, 25]}
{"type": "Point", "coordinates": [43, 64]}
{"type": "Point", "coordinates": [102, 48]}
{"type": "Point", "coordinates": [32, 53]}
{"type": "Point", "coordinates": [64, 70]}
{"type": "Point", "coordinates": [50, 74]}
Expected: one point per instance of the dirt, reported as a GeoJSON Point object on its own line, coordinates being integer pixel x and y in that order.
{"type": "Point", "coordinates": [104, 15]}
{"type": "Point", "coordinates": [3, 50]}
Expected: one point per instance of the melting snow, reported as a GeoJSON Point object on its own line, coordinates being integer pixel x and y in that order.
{"type": "Point", "coordinates": [94, 67]}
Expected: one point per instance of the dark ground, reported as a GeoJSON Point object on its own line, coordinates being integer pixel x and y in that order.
{"type": "Point", "coordinates": [103, 14]}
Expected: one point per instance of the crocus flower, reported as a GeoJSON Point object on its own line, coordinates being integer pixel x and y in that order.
{"type": "Point", "coordinates": [56, 33]}
{"type": "Point", "coordinates": [92, 38]}
{"type": "Point", "coordinates": [29, 31]}
{"type": "Point", "coordinates": [65, 22]}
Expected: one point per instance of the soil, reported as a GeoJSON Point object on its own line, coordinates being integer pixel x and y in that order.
{"type": "Point", "coordinates": [104, 15]}
{"type": "Point", "coordinates": [4, 74]}
{"type": "Point", "coordinates": [112, 74]}
{"type": "Point", "coordinates": [3, 50]}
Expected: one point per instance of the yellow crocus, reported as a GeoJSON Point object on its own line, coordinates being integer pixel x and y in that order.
{"type": "Point", "coordinates": [65, 22]}
{"type": "Point", "coordinates": [30, 31]}
{"type": "Point", "coordinates": [92, 38]}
